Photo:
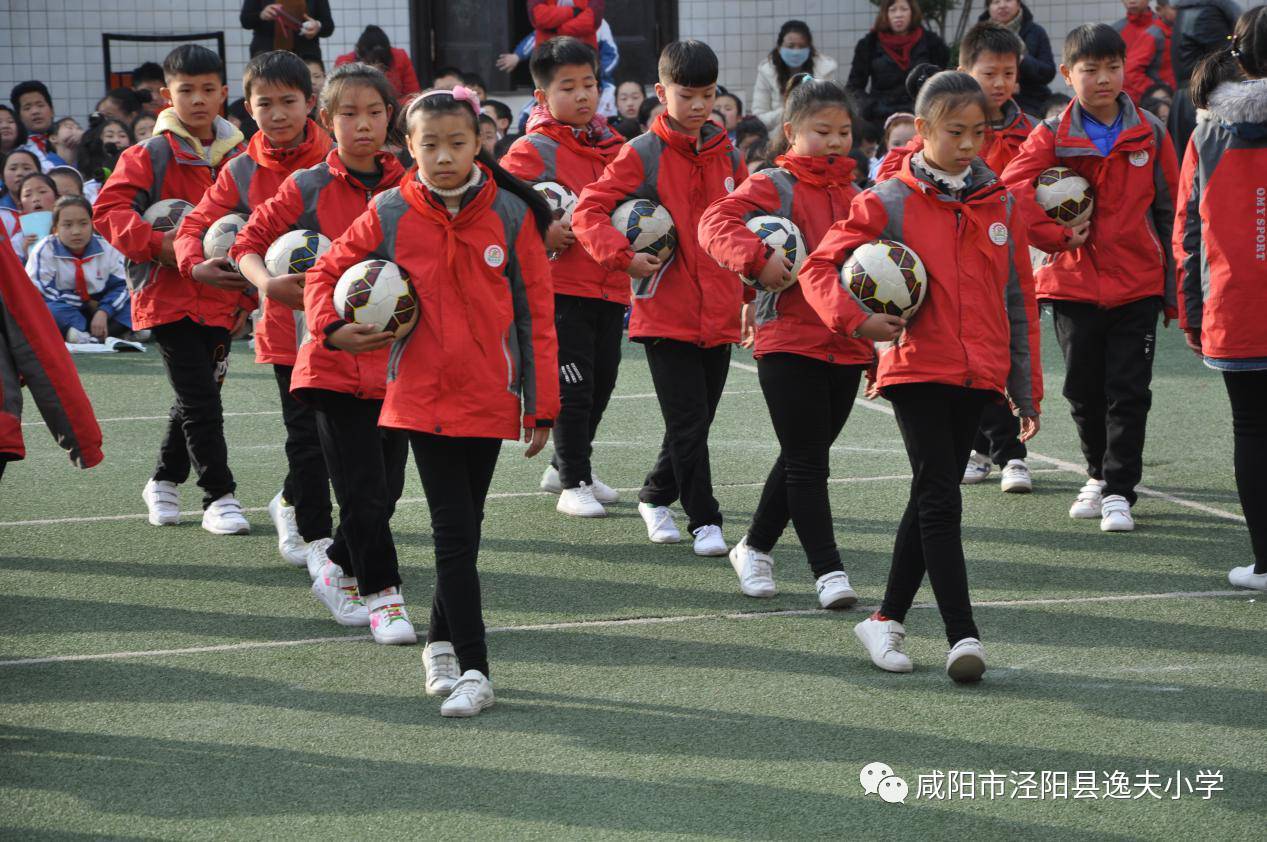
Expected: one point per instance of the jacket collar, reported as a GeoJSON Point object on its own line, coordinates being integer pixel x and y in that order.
{"type": "Point", "coordinates": [1242, 107]}
{"type": "Point", "coordinates": [393, 172]}
{"type": "Point", "coordinates": [819, 170]}
{"type": "Point", "coordinates": [1071, 134]}
{"type": "Point", "coordinates": [983, 185]}
{"type": "Point", "coordinates": [227, 138]}
{"type": "Point", "coordinates": [309, 152]}
{"type": "Point", "coordinates": [91, 250]}
{"type": "Point", "coordinates": [713, 138]}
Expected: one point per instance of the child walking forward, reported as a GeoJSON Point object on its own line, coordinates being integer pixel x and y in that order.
{"type": "Point", "coordinates": [479, 366]}
{"type": "Point", "coordinates": [975, 338]}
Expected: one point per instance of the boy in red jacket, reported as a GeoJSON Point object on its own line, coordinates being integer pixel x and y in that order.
{"type": "Point", "coordinates": [278, 90]}
{"type": "Point", "coordinates": [1107, 279]}
{"type": "Point", "coordinates": [569, 143]}
{"type": "Point", "coordinates": [686, 310]}
{"type": "Point", "coordinates": [190, 320]}
{"type": "Point", "coordinates": [1147, 39]}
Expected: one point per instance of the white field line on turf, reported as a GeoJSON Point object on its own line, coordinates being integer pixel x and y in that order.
{"type": "Point", "coordinates": [633, 621]}
{"type": "Point", "coordinates": [1067, 466]}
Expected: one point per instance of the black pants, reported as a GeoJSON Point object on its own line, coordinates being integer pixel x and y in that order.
{"type": "Point", "coordinates": [197, 360]}
{"type": "Point", "coordinates": [366, 465]}
{"type": "Point", "coordinates": [590, 332]}
{"type": "Point", "coordinates": [688, 383]}
{"type": "Point", "coordinates": [456, 473]}
{"type": "Point", "coordinates": [999, 435]}
{"type": "Point", "coordinates": [307, 483]}
{"type": "Point", "coordinates": [937, 423]}
{"type": "Point", "coordinates": [809, 401]}
{"type": "Point", "coordinates": [1247, 391]}
{"type": "Point", "coordinates": [1108, 370]}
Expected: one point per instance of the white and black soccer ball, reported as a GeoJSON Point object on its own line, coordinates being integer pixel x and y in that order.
{"type": "Point", "coordinates": [1064, 195]}
{"type": "Point", "coordinates": [220, 237]}
{"type": "Point", "coordinates": [782, 235]}
{"type": "Point", "coordinates": [377, 292]}
{"type": "Point", "coordinates": [887, 277]}
{"type": "Point", "coordinates": [165, 214]}
{"type": "Point", "coordinates": [648, 226]}
{"type": "Point", "coordinates": [295, 252]}
{"type": "Point", "coordinates": [561, 200]}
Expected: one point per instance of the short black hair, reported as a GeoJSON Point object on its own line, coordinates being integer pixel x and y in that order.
{"type": "Point", "coordinates": [191, 60]}
{"type": "Point", "coordinates": [989, 37]}
{"type": "Point", "coordinates": [722, 91]}
{"type": "Point", "coordinates": [485, 120]}
{"type": "Point", "coordinates": [550, 55]}
{"type": "Point", "coordinates": [447, 70]}
{"type": "Point", "coordinates": [150, 71]}
{"type": "Point", "coordinates": [30, 86]}
{"type": "Point", "coordinates": [644, 111]}
{"type": "Point", "coordinates": [502, 110]}
{"type": "Point", "coordinates": [1093, 41]}
{"type": "Point", "coordinates": [473, 80]}
{"type": "Point", "coordinates": [691, 63]}
{"type": "Point", "coordinates": [751, 127]}
{"type": "Point", "coordinates": [865, 130]}
{"type": "Point", "coordinates": [277, 67]}
{"type": "Point", "coordinates": [374, 47]}
{"type": "Point", "coordinates": [126, 98]}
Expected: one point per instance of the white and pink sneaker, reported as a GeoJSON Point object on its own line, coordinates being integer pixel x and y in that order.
{"type": "Point", "coordinates": [389, 621]}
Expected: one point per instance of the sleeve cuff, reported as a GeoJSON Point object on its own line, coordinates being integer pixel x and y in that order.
{"type": "Point", "coordinates": [531, 421]}
{"type": "Point", "coordinates": [330, 329]}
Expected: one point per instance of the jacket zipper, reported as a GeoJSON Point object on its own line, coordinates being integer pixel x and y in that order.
{"type": "Point", "coordinates": [967, 363]}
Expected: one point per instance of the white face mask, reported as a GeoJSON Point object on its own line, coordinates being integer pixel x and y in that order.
{"type": "Point", "coordinates": [794, 56]}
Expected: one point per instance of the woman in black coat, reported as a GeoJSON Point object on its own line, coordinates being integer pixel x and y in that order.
{"type": "Point", "coordinates": [896, 43]}
{"type": "Point", "coordinates": [273, 27]}
{"type": "Point", "coordinates": [1038, 65]}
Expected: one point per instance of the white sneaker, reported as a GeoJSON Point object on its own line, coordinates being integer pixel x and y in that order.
{"type": "Point", "coordinates": [885, 641]}
{"type": "Point", "coordinates": [1087, 506]}
{"type": "Point", "coordinates": [550, 482]}
{"type": "Point", "coordinates": [966, 660]}
{"type": "Point", "coordinates": [1115, 515]}
{"type": "Point", "coordinates": [440, 663]}
{"type": "Point", "coordinates": [660, 526]}
{"type": "Point", "coordinates": [754, 568]}
{"type": "Point", "coordinates": [978, 469]}
{"type": "Point", "coordinates": [162, 498]}
{"type": "Point", "coordinates": [316, 556]}
{"type": "Point", "coordinates": [389, 621]}
{"type": "Point", "coordinates": [1245, 577]}
{"type": "Point", "coordinates": [580, 502]}
{"type": "Point", "coordinates": [603, 493]}
{"type": "Point", "coordinates": [834, 590]}
{"type": "Point", "coordinates": [290, 543]}
{"type": "Point", "coordinates": [709, 541]}
{"type": "Point", "coordinates": [339, 593]}
{"type": "Point", "coordinates": [75, 336]}
{"type": "Point", "coordinates": [473, 693]}
{"type": "Point", "coordinates": [224, 517]}
{"type": "Point", "coordinates": [1016, 478]}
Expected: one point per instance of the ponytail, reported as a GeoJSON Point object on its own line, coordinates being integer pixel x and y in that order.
{"type": "Point", "coordinates": [1210, 72]}
{"type": "Point", "coordinates": [1246, 56]}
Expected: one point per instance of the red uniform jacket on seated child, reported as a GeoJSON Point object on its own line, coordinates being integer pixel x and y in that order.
{"type": "Point", "coordinates": [170, 165]}
{"type": "Point", "coordinates": [482, 360]}
{"type": "Point", "coordinates": [978, 326]}
{"type": "Point", "coordinates": [813, 192]}
{"type": "Point", "coordinates": [327, 199]}
{"type": "Point", "coordinates": [690, 298]}
{"type": "Point", "coordinates": [1125, 258]}
{"type": "Point", "coordinates": [247, 182]}
{"type": "Point", "coordinates": [575, 158]}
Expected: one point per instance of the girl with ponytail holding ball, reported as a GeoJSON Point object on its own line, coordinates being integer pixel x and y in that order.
{"type": "Point", "coordinates": [974, 339]}
{"type": "Point", "coordinates": [479, 366]}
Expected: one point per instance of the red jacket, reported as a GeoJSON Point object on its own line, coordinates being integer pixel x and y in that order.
{"type": "Point", "coordinates": [581, 19]}
{"type": "Point", "coordinates": [813, 192]}
{"type": "Point", "coordinates": [1147, 40]}
{"type": "Point", "coordinates": [33, 354]}
{"type": "Point", "coordinates": [327, 199]}
{"type": "Point", "coordinates": [978, 326]}
{"type": "Point", "coordinates": [482, 360]}
{"type": "Point", "coordinates": [246, 183]}
{"type": "Point", "coordinates": [1220, 234]}
{"type": "Point", "coordinates": [555, 152]}
{"type": "Point", "coordinates": [1124, 259]}
{"type": "Point", "coordinates": [691, 298]}
{"type": "Point", "coordinates": [167, 166]}
{"type": "Point", "coordinates": [401, 74]}
{"type": "Point", "coordinates": [1001, 145]}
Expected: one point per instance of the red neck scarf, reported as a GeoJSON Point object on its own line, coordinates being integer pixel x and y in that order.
{"type": "Point", "coordinates": [819, 170]}
{"type": "Point", "coordinates": [81, 280]}
{"type": "Point", "coordinates": [312, 150]}
{"type": "Point", "coordinates": [899, 47]}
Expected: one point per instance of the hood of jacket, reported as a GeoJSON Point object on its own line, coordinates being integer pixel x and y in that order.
{"type": "Point", "coordinates": [1242, 107]}
{"type": "Point", "coordinates": [227, 136]}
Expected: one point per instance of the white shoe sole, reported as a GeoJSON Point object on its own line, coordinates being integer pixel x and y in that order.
{"type": "Point", "coordinates": [163, 520]}
{"type": "Point", "coordinates": [1084, 514]}
{"type": "Point", "coordinates": [1017, 487]}
{"type": "Point", "coordinates": [758, 594]}
{"type": "Point", "coordinates": [966, 669]}
{"type": "Point", "coordinates": [974, 480]}
{"type": "Point", "coordinates": [445, 689]}
{"type": "Point", "coordinates": [717, 553]}
{"type": "Point", "coordinates": [396, 639]}
{"type": "Point", "coordinates": [1114, 527]}
{"type": "Point", "coordinates": [665, 538]}
{"type": "Point", "coordinates": [239, 530]}
{"type": "Point", "coordinates": [563, 510]}
{"type": "Point", "coordinates": [844, 599]}
{"type": "Point", "coordinates": [466, 713]}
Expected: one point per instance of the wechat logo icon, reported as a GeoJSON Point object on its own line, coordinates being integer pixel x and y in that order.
{"type": "Point", "coordinates": [878, 779]}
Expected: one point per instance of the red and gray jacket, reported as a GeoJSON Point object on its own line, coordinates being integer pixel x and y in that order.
{"type": "Point", "coordinates": [691, 298]}
{"type": "Point", "coordinates": [246, 183]}
{"type": "Point", "coordinates": [1147, 40]}
{"type": "Point", "coordinates": [978, 326]}
{"type": "Point", "coordinates": [813, 192]}
{"type": "Point", "coordinates": [555, 152]}
{"type": "Point", "coordinates": [1220, 233]}
{"type": "Point", "coordinates": [170, 165]}
{"type": "Point", "coordinates": [33, 354]}
{"type": "Point", "coordinates": [578, 18]}
{"type": "Point", "coordinates": [482, 361]}
{"type": "Point", "coordinates": [327, 199]}
{"type": "Point", "coordinates": [1001, 144]}
{"type": "Point", "coordinates": [1124, 259]}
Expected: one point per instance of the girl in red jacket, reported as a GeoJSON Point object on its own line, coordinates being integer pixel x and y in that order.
{"type": "Point", "coordinates": [1219, 240]}
{"type": "Point", "coordinates": [809, 374]}
{"type": "Point", "coordinates": [479, 366]}
{"type": "Point", "coordinates": [360, 582]}
{"type": "Point", "coordinates": [975, 338]}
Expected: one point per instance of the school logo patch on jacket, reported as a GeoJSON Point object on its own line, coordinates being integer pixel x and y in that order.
{"type": "Point", "coordinates": [998, 234]}
{"type": "Point", "coordinates": [494, 256]}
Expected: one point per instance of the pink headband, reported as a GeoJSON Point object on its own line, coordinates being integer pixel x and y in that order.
{"type": "Point", "coordinates": [462, 94]}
